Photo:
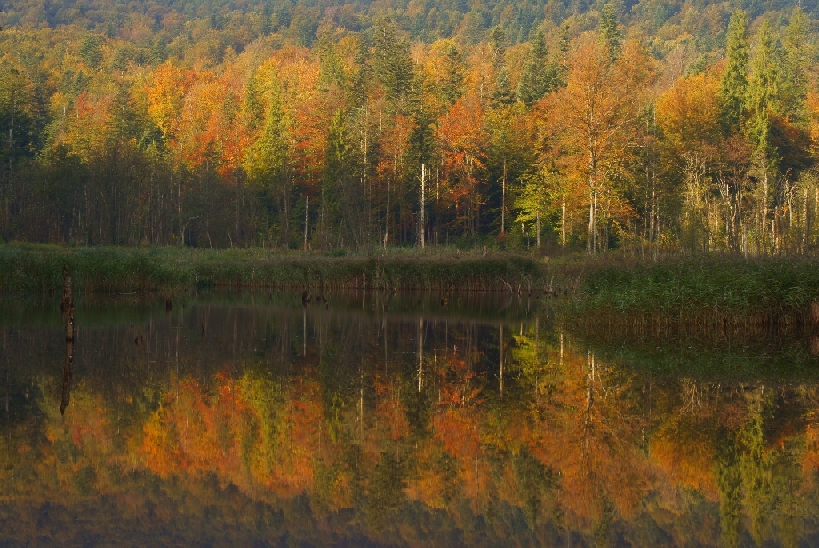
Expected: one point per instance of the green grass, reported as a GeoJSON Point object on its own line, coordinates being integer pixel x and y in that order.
{"type": "Point", "coordinates": [36, 269]}
{"type": "Point", "coordinates": [705, 291]}
{"type": "Point", "coordinates": [610, 287]}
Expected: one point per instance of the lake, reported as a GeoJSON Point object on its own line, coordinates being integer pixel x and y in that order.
{"type": "Point", "coordinates": [409, 419]}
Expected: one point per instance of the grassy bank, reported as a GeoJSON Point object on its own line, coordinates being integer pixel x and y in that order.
{"type": "Point", "coordinates": [704, 292]}
{"type": "Point", "coordinates": [38, 269]}
{"type": "Point", "coordinates": [701, 293]}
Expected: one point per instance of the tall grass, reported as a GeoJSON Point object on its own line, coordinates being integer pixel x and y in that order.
{"type": "Point", "coordinates": [38, 269]}
{"type": "Point", "coordinates": [707, 291]}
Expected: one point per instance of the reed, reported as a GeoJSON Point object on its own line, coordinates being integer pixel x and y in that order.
{"type": "Point", "coordinates": [701, 295]}
{"type": "Point", "coordinates": [35, 269]}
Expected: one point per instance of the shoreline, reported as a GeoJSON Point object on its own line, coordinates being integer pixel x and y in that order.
{"type": "Point", "coordinates": [608, 290]}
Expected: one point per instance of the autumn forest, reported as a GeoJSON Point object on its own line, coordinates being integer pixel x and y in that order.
{"type": "Point", "coordinates": [648, 127]}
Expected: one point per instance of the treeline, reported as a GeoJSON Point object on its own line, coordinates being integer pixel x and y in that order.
{"type": "Point", "coordinates": [577, 139]}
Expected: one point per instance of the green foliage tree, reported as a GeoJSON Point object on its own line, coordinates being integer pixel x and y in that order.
{"type": "Point", "coordinates": [609, 31]}
{"type": "Point", "coordinates": [502, 93]}
{"type": "Point", "coordinates": [538, 77]}
{"type": "Point", "coordinates": [764, 88]}
{"type": "Point", "coordinates": [391, 61]}
{"type": "Point", "coordinates": [734, 84]}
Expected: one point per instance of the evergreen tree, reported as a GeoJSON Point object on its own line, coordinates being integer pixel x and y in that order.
{"type": "Point", "coordinates": [331, 70]}
{"type": "Point", "coordinates": [538, 77]}
{"type": "Point", "coordinates": [336, 171]}
{"type": "Point", "coordinates": [391, 60]}
{"type": "Point", "coordinates": [609, 32]}
{"type": "Point", "coordinates": [502, 94]}
{"type": "Point", "coordinates": [764, 86]}
{"type": "Point", "coordinates": [362, 75]}
{"type": "Point", "coordinates": [91, 51]}
{"type": "Point", "coordinates": [794, 67]}
{"type": "Point", "coordinates": [498, 43]}
{"type": "Point", "coordinates": [734, 84]}
{"type": "Point", "coordinates": [452, 86]}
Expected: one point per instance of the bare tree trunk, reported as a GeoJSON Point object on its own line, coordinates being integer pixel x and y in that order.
{"type": "Point", "coordinates": [306, 219]}
{"type": "Point", "coordinates": [423, 225]}
{"type": "Point", "coordinates": [590, 248]}
{"type": "Point", "coordinates": [563, 222]}
{"type": "Point", "coordinates": [503, 199]}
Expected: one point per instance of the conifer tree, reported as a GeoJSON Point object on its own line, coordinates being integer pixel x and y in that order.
{"type": "Point", "coordinates": [391, 60]}
{"type": "Point", "coordinates": [502, 94]}
{"type": "Point", "coordinates": [734, 84]}
{"type": "Point", "coordinates": [452, 86]}
{"type": "Point", "coordinates": [331, 71]}
{"type": "Point", "coordinates": [538, 77]}
{"type": "Point", "coordinates": [609, 32]}
{"type": "Point", "coordinates": [764, 86]}
{"type": "Point", "coordinates": [794, 66]}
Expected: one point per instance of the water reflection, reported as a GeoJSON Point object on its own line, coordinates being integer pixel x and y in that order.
{"type": "Point", "coordinates": [379, 419]}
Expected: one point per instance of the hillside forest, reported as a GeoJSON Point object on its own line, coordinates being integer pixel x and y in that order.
{"type": "Point", "coordinates": [647, 127]}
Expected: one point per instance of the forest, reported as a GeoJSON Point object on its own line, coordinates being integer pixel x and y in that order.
{"type": "Point", "coordinates": [649, 127]}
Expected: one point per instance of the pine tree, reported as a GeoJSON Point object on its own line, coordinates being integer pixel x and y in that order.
{"type": "Point", "coordinates": [794, 67]}
{"type": "Point", "coordinates": [734, 84]}
{"type": "Point", "coordinates": [762, 102]}
{"type": "Point", "coordinates": [538, 77]}
{"type": "Point", "coordinates": [764, 87]}
{"type": "Point", "coordinates": [391, 60]}
{"type": "Point", "coordinates": [331, 70]}
{"type": "Point", "coordinates": [452, 86]}
{"type": "Point", "coordinates": [498, 43]}
{"type": "Point", "coordinates": [91, 51]}
{"type": "Point", "coordinates": [502, 94]}
{"type": "Point", "coordinates": [609, 32]}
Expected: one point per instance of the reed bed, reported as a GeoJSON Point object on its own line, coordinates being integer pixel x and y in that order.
{"type": "Point", "coordinates": [702, 295]}
{"type": "Point", "coordinates": [38, 269]}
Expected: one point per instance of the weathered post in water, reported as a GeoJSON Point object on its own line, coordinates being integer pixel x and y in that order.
{"type": "Point", "coordinates": [67, 307]}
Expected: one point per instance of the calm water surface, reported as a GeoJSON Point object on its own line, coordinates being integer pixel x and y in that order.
{"type": "Point", "coordinates": [395, 420]}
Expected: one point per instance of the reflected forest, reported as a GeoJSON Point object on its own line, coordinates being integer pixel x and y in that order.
{"type": "Point", "coordinates": [248, 418]}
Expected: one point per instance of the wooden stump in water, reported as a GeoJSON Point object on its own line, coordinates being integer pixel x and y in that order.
{"type": "Point", "coordinates": [68, 292]}
{"type": "Point", "coordinates": [68, 374]}
{"type": "Point", "coordinates": [67, 306]}
{"type": "Point", "coordinates": [814, 313]}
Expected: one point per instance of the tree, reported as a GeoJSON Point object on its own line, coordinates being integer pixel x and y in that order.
{"type": "Point", "coordinates": [452, 73]}
{"type": "Point", "coordinates": [502, 92]}
{"type": "Point", "coordinates": [538, 77]}
{"type": "Point", "coordinates": [795, 65]}
{"type": "Point", "coordinates": [734, 84]}
{"type": "Point", "coordinates": [609, 33]}
{"type": "Point", "coordinates": [462, 140]}
{"type": "Point", "coordinates": [762, 104]}
{"type": "Point", "coordinates": [391, 61]}
{"type": "Point", "coordinates": [593, 120]}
